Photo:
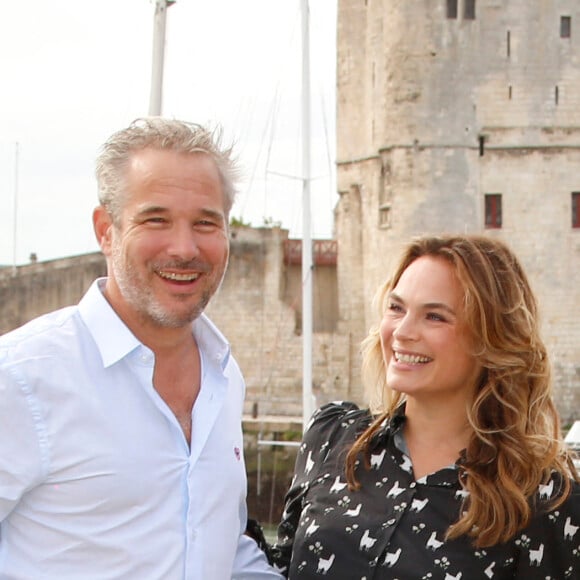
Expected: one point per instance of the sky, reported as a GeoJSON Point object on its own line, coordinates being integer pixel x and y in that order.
{"type": "Point", "coordinates": [73, 72]}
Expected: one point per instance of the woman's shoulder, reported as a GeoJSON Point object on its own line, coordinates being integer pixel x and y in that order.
{"type": "Point", "coordinates": [337, 410]}
{"type": "Point", "coordinates": [554, 529]}
{"type": "Point", "coordinates": [336, 415]}
{"type": "Point", "coordinates": [574, 497]}
{"type": "Point", "coordinates": [551, 492]}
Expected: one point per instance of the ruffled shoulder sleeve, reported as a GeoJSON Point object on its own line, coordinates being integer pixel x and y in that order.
{"type": "Point", "coordinates": [326, 417]}
{"type": "Point", "coordinates": [326, 429]}
{"type": "Point", "coordinates": [329, 424]}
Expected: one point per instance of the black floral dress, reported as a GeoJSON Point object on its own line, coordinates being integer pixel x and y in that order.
{"type": "Point", "coordinates": [394, 526]}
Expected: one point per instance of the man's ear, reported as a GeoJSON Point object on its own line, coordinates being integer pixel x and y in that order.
{"type": "Point", "coordinates": [103, 226]}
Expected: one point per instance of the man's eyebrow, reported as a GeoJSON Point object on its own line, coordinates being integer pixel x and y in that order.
{"type": "Point", "coordinates": [427, 305]}
{"type": "Point", "coordinates": [151, 209]}
{"type": "Point", "coordinates": [157, 209]}
{"type": "Point", "coordinates": [212, 213]}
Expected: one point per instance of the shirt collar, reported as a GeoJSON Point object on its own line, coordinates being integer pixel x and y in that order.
{"type": "Point", "coordinates": [115, 341]}
{"type": "Point", "coordinates": [389, 427]}
{"type": "Point", "coordinates": [391, 433]}
{"type": "Point", "coordinates": [211, 341]}
{"type": "Point", "coordinates": [112, 337]}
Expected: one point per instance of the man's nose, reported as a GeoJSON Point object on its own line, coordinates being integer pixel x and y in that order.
{"type": "Point", "coordinates": [183, 242]}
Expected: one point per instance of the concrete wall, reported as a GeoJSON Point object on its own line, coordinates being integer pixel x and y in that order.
{"type": "Point", "coordinates": [257, 308]}
{"type": "Point", "coordinates": [35, 289]}
{"type": "Point", "coordinates": [434, 113]}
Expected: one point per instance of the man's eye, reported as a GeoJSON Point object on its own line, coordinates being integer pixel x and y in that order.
{"type": "Point", "coordinates": [206, 224]}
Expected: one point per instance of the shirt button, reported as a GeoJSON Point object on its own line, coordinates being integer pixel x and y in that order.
{"type": "Point", "coordinates": [413, 485]}
{"type": "Point", "coordinates": [391, 521]}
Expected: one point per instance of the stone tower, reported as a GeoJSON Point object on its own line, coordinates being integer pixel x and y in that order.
{"type": "Point", "coordinates": [463, 116]}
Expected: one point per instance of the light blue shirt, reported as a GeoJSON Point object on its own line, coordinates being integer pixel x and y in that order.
{"type": "Point", "coordinates": [97, 480]}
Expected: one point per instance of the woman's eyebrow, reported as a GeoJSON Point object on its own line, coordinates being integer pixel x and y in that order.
{"type": "Point", "coordinates": [427, 305]}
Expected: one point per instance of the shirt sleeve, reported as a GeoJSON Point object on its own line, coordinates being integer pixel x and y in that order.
{"type": "Point", "coordinates": [315, 444]}
{"type": "Point", "coordinates": [22, 463]}
{"type": "Point", "coordinates": [250, 563]}
{"type": "Point", "coordinates": [549, 547]}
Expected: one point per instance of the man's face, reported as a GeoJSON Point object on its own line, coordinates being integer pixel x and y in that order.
{"type": "Point", "coordinates": [169, 250]}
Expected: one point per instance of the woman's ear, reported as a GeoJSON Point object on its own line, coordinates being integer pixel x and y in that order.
{"type": "Point", "coordinates": [103, 225]}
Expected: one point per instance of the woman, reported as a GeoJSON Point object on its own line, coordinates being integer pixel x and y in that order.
{"type": "Point", "coordinates": [458, 468]}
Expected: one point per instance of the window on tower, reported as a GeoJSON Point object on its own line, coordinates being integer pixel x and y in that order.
{"type": "Point", "coordinates": [385, 215]}
{"type": "Point", "coordinates": [469, 10]}
{"type": "Point", "coordinates": [451, 8]}
{"type": "Point", "coordinates": [565, 26]}
{"type": "Point", "coordinates": [576, 209]}
{"type": "Point", "coordinates": [493, 219]}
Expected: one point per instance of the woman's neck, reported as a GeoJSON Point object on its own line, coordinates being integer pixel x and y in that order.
{"type": "Point", "coordinates": [435, 436]}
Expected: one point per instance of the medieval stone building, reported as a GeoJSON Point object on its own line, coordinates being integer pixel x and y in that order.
{"type": "Point", "coordinates": [462, 116]}
{"type": "Point", "coordinates": [452, 116]}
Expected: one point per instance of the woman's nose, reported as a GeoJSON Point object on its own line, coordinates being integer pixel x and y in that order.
{"type": "Point", "coordinates": [406, 328]}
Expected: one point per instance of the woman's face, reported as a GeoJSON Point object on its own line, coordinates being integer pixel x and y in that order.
{"type": "Point", "coordinates": [426, 346]}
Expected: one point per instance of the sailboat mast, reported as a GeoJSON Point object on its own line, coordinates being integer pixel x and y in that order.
{"type": "Point", "coordinates": [156, 95]}
{"type": "Point", "coordinates": [307, 269]}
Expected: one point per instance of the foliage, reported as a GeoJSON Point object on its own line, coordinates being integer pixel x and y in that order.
{"type": "Point", "coordinates": [270, 222]}
{"type": "Point", "coordinates": [238, 222]}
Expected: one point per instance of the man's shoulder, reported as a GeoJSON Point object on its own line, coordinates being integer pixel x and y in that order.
{"type": "Point", "coordinates": [44, 329]}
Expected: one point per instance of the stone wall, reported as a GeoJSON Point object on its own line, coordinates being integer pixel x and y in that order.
{"type": "Point", "coordinates": [432, 114]}
{"type": "Point", "coordinates": [257, 308]}
{"type": "Point", "coordinates": [35, 289]}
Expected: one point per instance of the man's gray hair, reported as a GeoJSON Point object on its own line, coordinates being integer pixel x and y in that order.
{"type": "Point", "coordinates": [160, 133]}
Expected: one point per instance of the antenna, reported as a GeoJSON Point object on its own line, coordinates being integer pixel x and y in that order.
{"type": "Point", "coordinates": [15, 216]}
{"type": "Point", "coordinates": [156, 96]}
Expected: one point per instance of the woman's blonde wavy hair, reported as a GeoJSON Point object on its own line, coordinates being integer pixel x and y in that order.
{"type": "Point", "coordinates": [516, 442]}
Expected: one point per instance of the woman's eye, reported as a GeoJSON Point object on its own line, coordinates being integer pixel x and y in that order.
{"type": "Point", "coordinates": [393, 306]}
{"type": "Point", "coordinates": [436, 317]}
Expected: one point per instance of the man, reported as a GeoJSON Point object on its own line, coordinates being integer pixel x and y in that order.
{"type": "Point", "coordinates": [121, 451]}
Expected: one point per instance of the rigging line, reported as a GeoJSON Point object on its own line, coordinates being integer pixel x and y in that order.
{"type": "Point", "coordinates": [272, 132]}
{"type": "Point", "coordinates": [270, 125]}
{"type": "Point", "coordinates": [327, 142]}
{"type": "Point", "coordinates": [290, 57]}
{"type": "Point", "coordinates": [244, 110]}
{"type": "Point", "coordinates": [260, 148]}
{"type": "Point", "coordinates": [268, 156]}
{"type": "Point", "coordinates": [296, 177]}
